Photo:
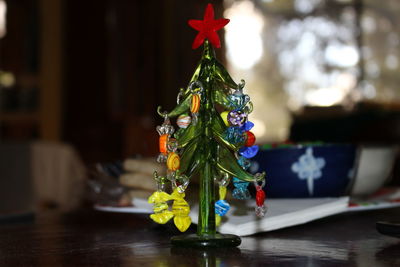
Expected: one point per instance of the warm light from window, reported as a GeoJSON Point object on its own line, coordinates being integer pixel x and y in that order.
{"type": "Point", "coordinates": [318, 58]}
{"type": "Point", "coordinates": [325, 97]}
{"type": "Point", "coordinates": [243, 35]}
{"type": "Point", "coordinates": [341, 55]}
{"type": "Point", "coordinates": [3, 11]}
{"type": "Point", "coordinates": [332, 95]}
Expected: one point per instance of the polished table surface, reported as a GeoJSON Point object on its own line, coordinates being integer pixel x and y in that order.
{"type": "Point", "coordinates": [93, 238]}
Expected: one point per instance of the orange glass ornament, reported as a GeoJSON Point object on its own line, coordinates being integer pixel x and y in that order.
{"type": "Point", "coordinates": [195, 103]}
{"type": "Point", "coordinates": [163, 141]}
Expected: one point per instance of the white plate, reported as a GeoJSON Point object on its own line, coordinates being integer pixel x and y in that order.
{"type": "Point", "coordinates": [140, 206]}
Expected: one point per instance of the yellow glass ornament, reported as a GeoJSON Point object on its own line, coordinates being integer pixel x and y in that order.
{"type": "Point", "coordinates": [161, 212]}
{"type": "Point", "coordinates": [222, 192]}
{"type": "Point", "coordinates": [224, 116]}
{"type": "Point", "coordinates": [173, 161]}
{"type": "Point", "coordinates": [217, 220]}
{"type": "Point", "coordinates": [181, 210]}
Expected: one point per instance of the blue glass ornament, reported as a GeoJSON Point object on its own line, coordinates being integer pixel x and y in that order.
{"type": "Point", "coordinates": [247, 126]}
{"type": "Point", "coordinates": [238, 100]}
{"type": "Point", "coordinates": [249, 152]}
{"type": "Point", "coordinates": [244, 162]}
{"type": "Point", "coordinates": [234, 135]}
{"type": "Point", "coordinates": [221, 207]}
{"type": "Point", "coordinates": [240, 191]}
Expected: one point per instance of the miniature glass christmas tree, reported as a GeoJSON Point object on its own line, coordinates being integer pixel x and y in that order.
{"type": "Point", "coordinates": [217, 146]}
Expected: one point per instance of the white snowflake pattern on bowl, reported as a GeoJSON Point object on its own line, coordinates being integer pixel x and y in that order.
{"type": "Point", "coordinates": [310, 168]}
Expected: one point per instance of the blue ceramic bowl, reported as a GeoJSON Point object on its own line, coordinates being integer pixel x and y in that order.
{"type": "Point", "coordinates": [306, 170]}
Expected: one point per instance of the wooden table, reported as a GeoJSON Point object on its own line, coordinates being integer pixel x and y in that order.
{"type": "Point", "coordinates": [91, 238]}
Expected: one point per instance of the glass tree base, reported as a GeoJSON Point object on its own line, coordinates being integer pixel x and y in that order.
{"type": "Point", "coordinates": [216, 241]}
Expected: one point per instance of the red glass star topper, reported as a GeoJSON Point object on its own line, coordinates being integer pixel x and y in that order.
{"type": "Point", "coordinates": [207, 28]}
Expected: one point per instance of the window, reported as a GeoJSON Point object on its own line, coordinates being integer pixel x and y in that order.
{"type": "Point", "coordinates": [298, 53]}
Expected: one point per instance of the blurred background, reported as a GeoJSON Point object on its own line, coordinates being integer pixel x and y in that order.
{"type": "Point", "coordinates": [80, 80]}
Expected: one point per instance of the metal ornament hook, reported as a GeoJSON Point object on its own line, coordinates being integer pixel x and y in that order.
{"type": "Point", "coordinates": [198, 84]}
{"type": "Point", "coordinates": [223, 179]}
{"type": "Point", "coordinates": [161, 113]}
{"type": "Point", "coordinates": [259, 177]}
{"type": "Point", "coordinates": [241, 84]}
{"type": "Point", "coordinates": [180, 94]}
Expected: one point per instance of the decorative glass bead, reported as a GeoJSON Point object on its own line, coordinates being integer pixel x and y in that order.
{"type": "Point", "coordinates": [173, 161]}
{"type": "Point", "coordinates": [260, 211]}
{"type": "Point", "coordinates": [260, 196]}
{"type": "Point", "coordinates": [160, 206]}
{"type": "Point", "coordinates": [244, 162]}
{"type": "Point", "coordinates": [163, 140]}
{"type": "Point", "coordinates": [240, 191]}
{"type": "Point", "coordinates": [234, 135]}
{"type": "Point", "coordinates": [194, 108]}
{"type": "Point", "coordinates": [222, 192]}
{"type": "Point", "coordinates": [237, 118]}
{"type": "Point", "coordinates": [249, 152]}
{"type": "Point", "coordinates": [251, 139]}
{"type": "Point", "coordinates": [238, 100]}
{"type": "Point", "coordinates": [161, 213]}
{"type": "Point", "coordinates": [183, 121]}
{"type": "Point", "coordinates": [181, 210]}
{"type": "Point", "coordinates": [247, 126]}
{"type": "Point", "coordinates": [221, 207]}
{"type": "Point", "coordinates": [217, 220]}
{"type": "Point", "coordinates": [224, 116]}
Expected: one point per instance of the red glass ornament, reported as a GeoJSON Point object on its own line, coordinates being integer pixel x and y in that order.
{"type": "Point", "coordinates": [260, 196]}
{"type": "Point", "coordinates": [251, 139]}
